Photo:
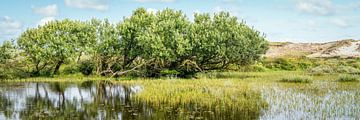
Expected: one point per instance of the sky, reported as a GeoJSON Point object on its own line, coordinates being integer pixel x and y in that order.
{"type": "Point", "coordinates": [281, 20]}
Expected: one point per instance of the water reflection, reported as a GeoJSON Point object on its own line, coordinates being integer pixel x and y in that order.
{"type": "Point", "coordinates": [87, 100]}
{"type": "Point", "coordinates": [101, 100]}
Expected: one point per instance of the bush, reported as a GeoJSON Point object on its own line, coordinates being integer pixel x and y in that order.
{"type": "Point", "coordinates": [326, 69]}
{"type": "Point", "coordinates": [296, 79]}
{"type": "Point", "coordinates": [348, 78]}
{"type": "Point", "coordinates": [281, 64]}
{"type": "Point", "coordinates": [86, 67]}
{"type": "Point", "coordinates": [347, 69]}
{"type": "Point", "coordinates": [169, 73]}
{"type": "Point", "coordinates": [253, 68]}
{"type": "Point", "coordinates": [12, 73]}
{"type": "Point", "coordinates": [304, 65]}
{"type": "Point", "coordinates": [321, 70]}
{"type": "Point", "coordinates": [70, 69]}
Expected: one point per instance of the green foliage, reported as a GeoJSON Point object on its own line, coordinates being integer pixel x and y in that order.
{"type": "Point", "coordinates": [221, 41]}
{"type": "Point", "coordinates": [347, 69]}
{"type": "Point", "coordinates": [168, 40]}
{"type": "Point", "coordinates": [253, 68]}
{"type": "Point", "coordinates": [320, 70]}
{"type": "Point", "coordinates": [280, 64]}
{"type": "Point", "coordinates": [143, 44]}
{"type": "Point", "coordinates": [50, 45]}
{"type": "Point", "coordinates": [169, 73]}
{"type": "Point", "coordinates": [107, 44]}
{"type": "Point", "coordinates": [305, 64]}
{"type": "Point", "coordinates": [327, 69]}
{"type": "Point", "coordinates": [348, 78]}
{"type": "Point", "coordinates": [86, 67]}
{"type": "Point", "coordinates": [10, 65]}
{"type": "Point", "coordinates": [70, 69]}
{"type": "Point", "coordinates": [7, 51]}
{"type": "Point", "coordinates": [296, 79]}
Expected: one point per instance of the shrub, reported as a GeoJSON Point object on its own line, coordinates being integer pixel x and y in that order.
{"type": "Point", "coordinates": [348, 78]}
{"type": "Point", "coordinates": [304, 65]}
{"type": "Point", "coordinates": [347, 69]}
{"type": "Point", "coordinates": [280, 64]}
{"type": "Point", "coordinates": [12, 73]}
{"type": "Point", "coordinates": [253, 68]}
{"type": "Point", "coordinates": [169, 73]}
{"type": "Point", "coordinates": [296, 79]}
{"type": "Point", "coordinates": [320, 70]}
{"type": "Point", "coordinates": [86, 67]}
{"type": "Point", "coordinates": [71, 69]}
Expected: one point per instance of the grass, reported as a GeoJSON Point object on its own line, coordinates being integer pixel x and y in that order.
{"type": "Point", "coordinates": [348, 78]}
{"type": "Point", "coordinates": [296, 79]}
{"type": "Point", "coordinates": [251, 95]}
{"type": "Point", "coordinates": [221, 96]}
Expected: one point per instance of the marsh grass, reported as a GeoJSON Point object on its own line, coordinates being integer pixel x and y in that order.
{"type": "Point", "coordinates": [227, 75]}
{"type": "Point", "coordinates": [230, 95]}
{"type": "Point", "coordinates": [231, 98]}
{"type": "Point", "coordinates": [348, 78]}
{"type": "Point", "coordinates": [296, 79]}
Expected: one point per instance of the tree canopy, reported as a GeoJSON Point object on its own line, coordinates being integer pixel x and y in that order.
{"type": "Point", "coordinates": [143, 44]}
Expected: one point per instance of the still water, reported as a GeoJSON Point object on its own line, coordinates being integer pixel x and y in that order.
{"type": "Point", "coordinates": [87, 100]}
{"type": "Point", "coordinates": [102, 100]}
{"type": "Point", "coordinates": [99, 100]}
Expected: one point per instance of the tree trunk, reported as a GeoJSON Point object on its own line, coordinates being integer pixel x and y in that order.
{"type": "Point", "coordinates": [57, 67]}
{"type": "Point", "coordinates": [79, 57]}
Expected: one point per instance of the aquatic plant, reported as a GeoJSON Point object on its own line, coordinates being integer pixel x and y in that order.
{"type": "Point", "coordinates": [226, 97]}
{"type": "Point", "coordinates": [296, 79]}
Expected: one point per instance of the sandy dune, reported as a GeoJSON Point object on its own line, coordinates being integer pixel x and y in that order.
{"type": "Point", "coordinates": [343, 49]}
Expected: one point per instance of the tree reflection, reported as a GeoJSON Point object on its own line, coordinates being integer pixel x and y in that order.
{"type": "Point", "coordinates": [95, 100]}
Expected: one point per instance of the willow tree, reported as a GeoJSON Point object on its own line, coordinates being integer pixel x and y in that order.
{"type": "Point", "coordinates": [50, 45]}
{"type": "Point", "coordinates": [130, 47]}
{"type": "Point", "coordinates": [166, 40]}
{"type": "Point", "coordinates": [7, 52]}
{"type": "Point", "coordinates": [9, 65]}
{"type": "Point", "coordinates": [222, 40]}
{"type": "Point", "coordinates": [107, 50]}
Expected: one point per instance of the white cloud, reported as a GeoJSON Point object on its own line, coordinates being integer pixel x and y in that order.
{"type": "Point", "coordinates": [316, 7]}
{"type": "Point", "coordinates": [8, 26]}
{"type": "Point", "coordinates": [340, 23]}
{"type": "Point", "coordinates": [161, 1]}
{"type": "Point", "coordinates": [100, 5]}
{"type": "Point", "coordinates": [45, 20]}
{"type": "Point", "coordinates": [50, 10]}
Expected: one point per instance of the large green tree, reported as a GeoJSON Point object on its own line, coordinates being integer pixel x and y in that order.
{"type": "Point", "coordinates": [7, 52]}
{"type": "Point", "coordinates": [131, 30]}
{"type": "Point", "coordinates": [146, 42]}
{"type": "Point", "coordinates": [108, 48]}
{"type": "Point", "coordinates": [50, 45]}
{"type": "Point", "coordinates": [222, 40]}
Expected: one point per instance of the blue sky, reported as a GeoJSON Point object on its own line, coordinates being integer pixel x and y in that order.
{"type": "Point", "coordinates": [280, 20]}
